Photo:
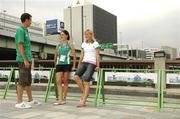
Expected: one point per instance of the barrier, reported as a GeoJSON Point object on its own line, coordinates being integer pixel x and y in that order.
{"type": "Point", "coordinates": [171, 77]}
{"type": "Point", "coordinates": [37, 74]}
{"type": "Point", "coordinates": [104, 75]}
{"type": "Point", "coordinates": [13, 74]}
{"type": "Point", "coordinates": [100, 95]}
{"type": "Point", "coordinates": [52, 79]}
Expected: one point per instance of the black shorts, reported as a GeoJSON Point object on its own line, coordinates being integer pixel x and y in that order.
{"type": "Point", "coordinates": [63, 68]}
{"type": "Point", "coordinates": [25, 78]}
{"type": "Point", "coordinates": [85, 71]}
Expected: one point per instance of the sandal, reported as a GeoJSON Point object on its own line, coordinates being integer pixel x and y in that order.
{"type": "Point", "coordinates": [81, 105]}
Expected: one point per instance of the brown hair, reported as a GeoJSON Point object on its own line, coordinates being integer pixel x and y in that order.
{"type": "Point", "coordinates": [66, 33]}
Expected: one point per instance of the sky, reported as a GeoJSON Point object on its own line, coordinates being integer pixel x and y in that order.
{"type": "Point", "coordinates": [141, 23]}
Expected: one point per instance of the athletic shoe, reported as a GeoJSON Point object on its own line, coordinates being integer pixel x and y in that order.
{"type": "Point", "coordinates": [23, 105]}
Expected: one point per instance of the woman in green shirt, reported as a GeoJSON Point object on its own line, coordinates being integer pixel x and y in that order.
{"type": "Point", "coordinates": [63, 64]}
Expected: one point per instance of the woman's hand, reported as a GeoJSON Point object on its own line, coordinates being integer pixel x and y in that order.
{"type": "Point", "coordinates": [97, 68]}
{"type": "Point", "coordinates": [73, 68]}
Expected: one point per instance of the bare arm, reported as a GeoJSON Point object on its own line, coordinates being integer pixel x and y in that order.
{"type": "Point", "coordinates": [55, 56]}
{"type": "Point", "coordinates": [97, 58]}
{"type": "Point", "coordinates": [21, 49]}
{"type": "Point", "coordinates": [81, 57]}
{"type": "Point", "coordinates": [74, 55]}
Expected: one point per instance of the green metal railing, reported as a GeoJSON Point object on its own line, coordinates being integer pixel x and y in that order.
{"type": "Point", "coordinates": [12, 76]}
{"type": "Point", "coordinates": [100, 98]}
{"type": "Point", "coordinates": [165, 102]}
{"type": "Point", "coordinates": [100, 95]}
{"type": "Point", "coordinates": [51, 84]}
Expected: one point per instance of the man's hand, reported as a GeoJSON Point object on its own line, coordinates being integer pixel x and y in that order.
{"type": "Point", "coordinates": [26, 64]}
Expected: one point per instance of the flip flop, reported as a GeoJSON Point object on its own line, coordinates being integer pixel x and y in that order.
{"type": "Point", "coordinates": [81, 105]}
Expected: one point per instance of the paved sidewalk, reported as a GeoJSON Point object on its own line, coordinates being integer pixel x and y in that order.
{"type": "Point", "coordinates": [70, 111]}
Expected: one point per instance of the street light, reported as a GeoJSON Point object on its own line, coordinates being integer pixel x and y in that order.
{"type": "Point", "coordinates": [120, 41]}
{"type": "Point", "coordinates": [24, 6]}
{"type": "Point", "coordinates": [4, 11]}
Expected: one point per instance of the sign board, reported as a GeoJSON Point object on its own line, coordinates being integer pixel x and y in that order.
{"type": "Point", "coordinates": [4, 74]}
{"type": "Point", "coordinates": [54, 26]}
{"type": "Point", "coordinates": [172, 78]}
{"type": "Point", "coordinates": [131, 77]}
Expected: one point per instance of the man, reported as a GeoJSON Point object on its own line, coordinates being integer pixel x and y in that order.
{"type": "Point", "coordinates": [23, 57]}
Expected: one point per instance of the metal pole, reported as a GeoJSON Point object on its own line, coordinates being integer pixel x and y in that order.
{"type": "Point", "coordinates": [4, 11]}
{"type": "Point", "coordinates": [120, 38]}
{"type": "Point", "coordinates": [85, 25]}
{"type": "Point", "coordinates": [24, 6]}
{"type": "Point", "coordinates": [127, 52]}
{"type": "Point", "coordinates": [71, 21]}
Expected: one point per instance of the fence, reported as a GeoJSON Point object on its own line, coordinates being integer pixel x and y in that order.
{"type": "Point", "coordinates": [107, 75]}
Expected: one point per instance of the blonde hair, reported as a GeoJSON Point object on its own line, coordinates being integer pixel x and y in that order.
{"type": "Point", "coordinates": [92, 33]}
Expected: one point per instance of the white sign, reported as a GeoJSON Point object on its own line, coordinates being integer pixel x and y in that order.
{"type": "Point", "coordinates": [131, 77]}
{"type": "Point", "coordinates": [172, 78]}
{"type": "Point", "coordinates": [4, 74]}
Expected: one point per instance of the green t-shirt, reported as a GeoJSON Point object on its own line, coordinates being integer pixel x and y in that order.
{"type": "Point", "coordinates": [22, 36]}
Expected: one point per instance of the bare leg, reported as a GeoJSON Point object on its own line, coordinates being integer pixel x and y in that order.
{"type": "Point", "coordinates": [19, 93]}
{"type": "Point", "coordinates": [29, 93]}
{"type": "Point", "coordinates": [66, 74]}
{"type": "Point", "coordinates": [86, 92]}
{"type": "Point", "coordinates": [59, 85]}
{"type": "Point", "coordinates": [79, 83]}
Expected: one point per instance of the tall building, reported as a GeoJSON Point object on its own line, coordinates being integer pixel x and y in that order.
{"type": "Point", "coordinates": [170, 52]}
{"type": "Point", "coordinates": [133, 54]}
{"type": "Point", "coordinates": [150, 52]}
{"type": "Point", "coordinates": [78, 19]}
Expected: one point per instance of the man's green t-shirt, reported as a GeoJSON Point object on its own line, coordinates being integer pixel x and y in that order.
{"type": "Point", "coordinates": [22, 36]}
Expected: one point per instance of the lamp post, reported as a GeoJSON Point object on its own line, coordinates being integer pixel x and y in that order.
{"type": "Point", "coordinates": [4, 11]}
{"type": "Point", "coordinates": [120, 39]}
{"type": "Point", "coordinates": [24, 6]}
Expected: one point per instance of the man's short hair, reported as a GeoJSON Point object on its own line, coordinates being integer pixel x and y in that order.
{"type": "Point", "coordinates": [25, 16]}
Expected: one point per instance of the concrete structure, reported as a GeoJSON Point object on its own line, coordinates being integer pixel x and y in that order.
{"type": "Point", "coordinates": [150, 52]}
{"type": "Point", "coordinates": [133, 54]}
{"type": "Point", "coordinates": [170, 52]}
{"type": "Point", "coordinates": [160, 63]}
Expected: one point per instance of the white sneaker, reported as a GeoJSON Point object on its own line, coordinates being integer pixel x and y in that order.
{"type": "Point", "coordinates": [34, 103]}
{"type": "Point", "coordinates": [60, 103]}
{"type": "Point", "coordinates": [22, 105]}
